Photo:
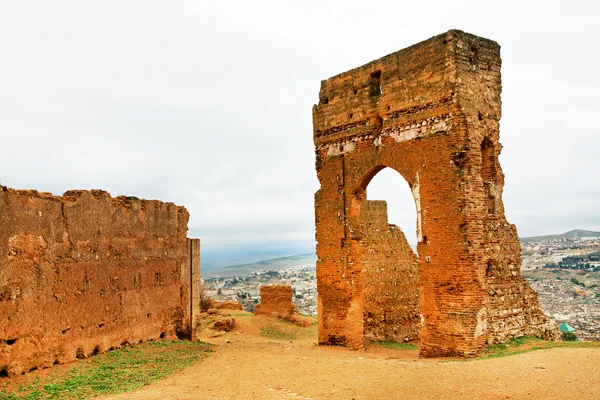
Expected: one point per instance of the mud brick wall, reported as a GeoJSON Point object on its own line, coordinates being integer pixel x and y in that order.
{"type": "Point", "coordinates": [275, 301]}
{"type": "Point", "coordinates": [390, 278]}
{"type": "Point", "coordinates": [84, 273]}
{"type": "Point", "coordinates": [431, 112]}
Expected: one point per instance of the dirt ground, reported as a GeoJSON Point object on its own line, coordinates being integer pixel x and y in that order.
{"type": "Point", "coordinates": [288, 364]}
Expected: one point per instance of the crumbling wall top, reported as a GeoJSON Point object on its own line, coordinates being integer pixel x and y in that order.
{"type": "Point", "coordinates": [410, 85]}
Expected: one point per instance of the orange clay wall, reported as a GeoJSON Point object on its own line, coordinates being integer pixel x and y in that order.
{"type": "Point", "coordinates": [84, 273]}
{"type": "Point", "coordinates": [431, 112]}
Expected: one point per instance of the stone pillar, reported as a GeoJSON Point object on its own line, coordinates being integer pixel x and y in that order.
{"type": "Point", "coordinates": [194, 252]}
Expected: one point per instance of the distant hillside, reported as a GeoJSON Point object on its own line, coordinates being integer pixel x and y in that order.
{"type": "Point", "coordinates": [214, 266]}
{"type": "Point", "coordinates": [218, 258]}
{"type": "Point", "coordinates": [571, 234]}
{"type": "Point", "coordinates": [270, 264]}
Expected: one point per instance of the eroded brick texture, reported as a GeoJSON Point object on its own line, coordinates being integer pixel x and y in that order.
{"type": "Point", "coordinates": [275, 301]}
{"type": "Point", "coordinates": [84, 273]}
{"type": "Point", "coordinates": [431, 112]}
{"type": "Point", "coordinates": [390, 277]}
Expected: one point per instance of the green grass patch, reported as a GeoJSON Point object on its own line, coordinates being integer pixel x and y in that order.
{"type": "Point", "coordinates": [525, 344]}
{"type": "Point", "coordinates": [115, 372]}
{"type": "Point", "coordinates": [389, 344]}
{"type": "Point", "coordinates": [242, 315]}
{"type": "Point", "coordinates": [282, 329]}
{"type": "Point", "coordinates": [516, 346]}
{"type": "Point", "coordinates": [277, 333]}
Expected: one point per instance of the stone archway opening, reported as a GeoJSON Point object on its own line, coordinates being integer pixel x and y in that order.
{"type": "Point", "coordinates": [389, 264]}
{"type": "Point", "coordinates": [488, 174]}
{"type": "Point", "coordinates": [389, 186]}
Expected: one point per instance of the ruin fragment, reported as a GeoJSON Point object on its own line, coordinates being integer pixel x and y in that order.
{"type": "Point", "coordinates": [275, 301]}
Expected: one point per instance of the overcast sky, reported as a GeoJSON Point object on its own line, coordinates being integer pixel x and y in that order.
{"type": "Point", "coordinates": [208, 104]}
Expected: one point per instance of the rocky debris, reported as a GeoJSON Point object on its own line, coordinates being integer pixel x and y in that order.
{"type": "Point", "coordinates": [224, 324]}
{"type": "Point", "coordinates": [213, 323]}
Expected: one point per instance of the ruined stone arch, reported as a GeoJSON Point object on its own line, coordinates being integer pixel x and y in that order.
{"type": "Point", "coordinates": [360, 194]}
{"type": "Point", "coordinates": [388, 265]}
{"type": "Point", "coordinates": [359, 191]}
{"type": "Point", "coordinates": [373, 171]}
{"type": "Point", "coordinates": [424, 112]}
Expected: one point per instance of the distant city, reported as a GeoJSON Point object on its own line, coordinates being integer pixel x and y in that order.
{"type": "Point", "coordinates": [246, 289]}
{"type": "Point", "coordinates": [564, 270]}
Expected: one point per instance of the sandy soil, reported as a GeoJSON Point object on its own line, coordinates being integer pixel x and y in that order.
{"type": "Point", "coordinates": [246, 365]}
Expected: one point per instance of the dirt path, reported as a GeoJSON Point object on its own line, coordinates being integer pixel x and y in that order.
{"type": "Point", "coordinates": [253, 367]}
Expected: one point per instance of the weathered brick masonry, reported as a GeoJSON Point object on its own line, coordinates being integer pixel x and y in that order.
{"type": "Point", "coordinates": [431, 112]}
{"type": "Point", "coordinates": [83, 273]}
{"type": "Point", "coordinates": [390, 277]}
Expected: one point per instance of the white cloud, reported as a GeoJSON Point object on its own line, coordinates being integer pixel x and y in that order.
{"type": "Point", "coordinates": [209, 104]}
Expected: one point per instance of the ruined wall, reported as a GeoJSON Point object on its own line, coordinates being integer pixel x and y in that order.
{"type": "Point", "coordinates": [275, 301]}
{"type": "Point", "coordinates": [84, 273]}
{"type": "Point", "coordinates": [390, 277]}
{"type": "Point", "coordinates": [431, 112]}
{"type": "Point", "coordinates": [513, 307]}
